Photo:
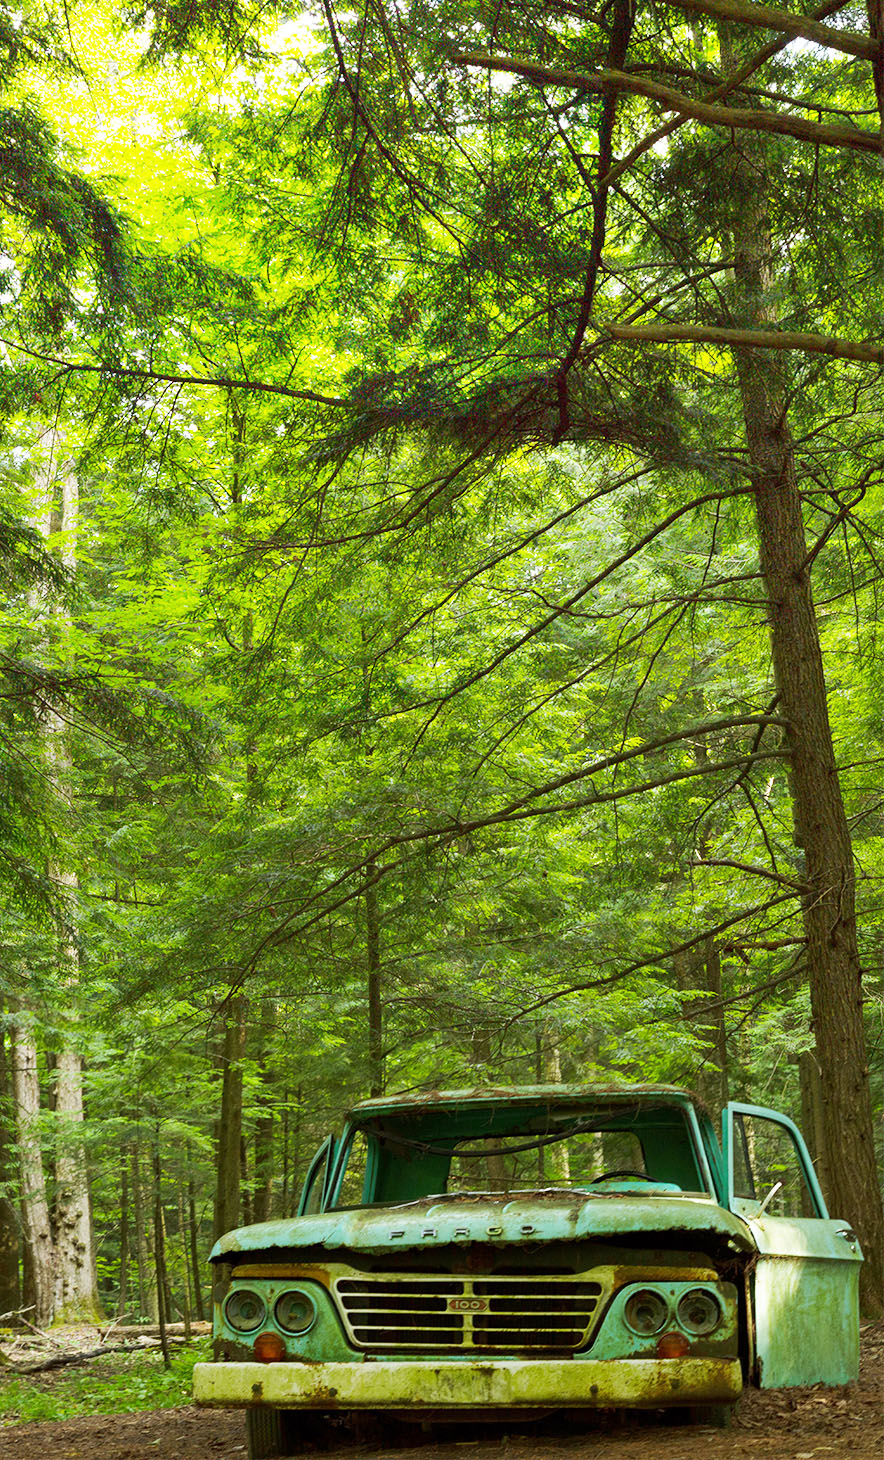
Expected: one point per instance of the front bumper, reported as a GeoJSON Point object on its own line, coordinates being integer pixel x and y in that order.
{"type": "Point", "coordinates": [504, 1384]}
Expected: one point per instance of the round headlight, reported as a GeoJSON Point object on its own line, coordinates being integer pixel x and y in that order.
{"type": "Point", "coordinates": [295, 1311]}
{"type": "Point", "coordinates": [699, 1312]}
{"type": "Point", "coordinates": [245, 1310]}
{"type": "Point", "coordinates": [646, 1312]}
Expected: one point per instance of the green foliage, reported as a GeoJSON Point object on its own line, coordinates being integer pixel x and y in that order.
{"type": "Point", "coordinates": [119, 1383]}
{"type": "Point", "coordinates": [359, 621]}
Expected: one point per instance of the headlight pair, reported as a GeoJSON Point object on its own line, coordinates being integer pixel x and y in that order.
{"type": "Point", "coordinates": [699, 1312]}
{"type": "Point", "coordinates": [245, 1310]}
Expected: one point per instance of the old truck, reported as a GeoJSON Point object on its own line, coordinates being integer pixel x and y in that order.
{"type": "Point", "coordinates": [472, 1253]}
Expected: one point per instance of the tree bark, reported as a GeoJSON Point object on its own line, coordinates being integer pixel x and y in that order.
{"type": "Point", "coordinates": [227, 1169]}
{"type": "Point", "coordinates": [875, 12]}
{"type": "Point", "coordinates": [245, 1188]}
{"type": "Point", "coordinates": [163, 1313]}
{"type": "Point", "coordinates": [820, 823]}
{"type": "Point", "coordinates": [667, 332]}
{"type": "Point", "coordinates": [557, 1163]}
{"type": "Point", "coordinates": [37, 1230]}
{"type": "Point", "coordinates": [10, 1288]}
{"type": "Point", "coordinates": [147, 1293]}
{"type": "Point", "coordinates": [185, 1263]}
{"type": "Point", "coordinates": [700, 969]}
{"type": "Point", "coordinates": [77, 1288]}
{"type": "Point", "coordinates": [812, 1120]}
{"type": "Point", "coordinates": [262, 1200]}
{"type": "Point", "coordinates": [73, 1257]}
{"type": "Point", "coordinates": [77, 1292]}
{"type": "Point", "coordinates": [123, 1294]}
{"type": "Point", "coordinates": [375, 1006]}
{"type": "Point", "coordinates": [194, 1252]}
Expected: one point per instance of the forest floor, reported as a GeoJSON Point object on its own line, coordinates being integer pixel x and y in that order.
{"type": "Point", "coordinates": [796, 1424]}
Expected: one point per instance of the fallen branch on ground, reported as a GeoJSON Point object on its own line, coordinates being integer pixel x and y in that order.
{"type": "Point", "coordinates": [80, 1356]}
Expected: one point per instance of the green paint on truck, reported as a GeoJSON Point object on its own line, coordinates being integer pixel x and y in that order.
{"type": "Point", "coordinates": [496, 1250]}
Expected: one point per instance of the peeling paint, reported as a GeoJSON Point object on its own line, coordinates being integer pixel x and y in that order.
{"type": "Point", "coordinates": [532, 1216]}
{"type": "Point", "coordinates": [417, 1101]}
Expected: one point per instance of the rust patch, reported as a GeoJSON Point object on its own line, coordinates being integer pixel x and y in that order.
{"type": "Point", "coordinates": [554, 1094]}
{"type": "Point", "coordinates": [324, 1396]}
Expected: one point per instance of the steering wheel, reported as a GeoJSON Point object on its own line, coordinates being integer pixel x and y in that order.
{"type": "Point", "coordinates": [617, 1175]}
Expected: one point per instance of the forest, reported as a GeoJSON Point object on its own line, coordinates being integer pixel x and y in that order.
{"type": "Point", "coordinates": [442, 535]}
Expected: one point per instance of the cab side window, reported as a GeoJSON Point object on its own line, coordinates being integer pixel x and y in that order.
{"type": "Point", "coordinates": [768, 1167]}
{"type": "Point", "coordinates": [313, 1190]}
{"type": "Point", "coordinates": [353, 1182]}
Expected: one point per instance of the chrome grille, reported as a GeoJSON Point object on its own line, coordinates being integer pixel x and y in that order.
{"type": "Point", "coordinates": [442, 1313]}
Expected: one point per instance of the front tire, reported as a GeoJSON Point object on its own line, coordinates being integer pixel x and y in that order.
{"type": "Point", "coordinates": [269, 1433]}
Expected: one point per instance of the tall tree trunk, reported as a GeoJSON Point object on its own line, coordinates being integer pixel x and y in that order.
{"type": "Point", "coordinates": [227, 1161]}
{"type": "Point", "coordinates": [245, 1187]}
{"type": "Point", "coordinates": [77, 1291]}
{"type": "Point", "coordinates": [37, 1230]}
{"type": "Point", "coordinates": [28, 1286]}
{"type": "Point", "coordinates": [812, 1117]}
{"type": "Point", "coordinates": [185, 1264]}
{"type": "Point", "coordinates": [372, 918]}
{"type": "Point", "coordinates": [163, 1306]}
{"type": "Point", "coordinates": [712, 1081]}
{"type": "Point", "coordinates": [39, 1247]}
{"type": "Point", "coordinates": [123, 1295]}
{"type": "Point", "coordinates": [147, 1292]}
{"type": "Point", "coordinates": [820, 823]}
{"type": "Point", "coordinates": [284, 1194]}
{"type": "Point", "coordinates": [194, 1252]}
{"type": "Point", "coordinates": [700, 968]}
{"type": "Point", "coordinates": [263, 1183]}
{"type": "Point", "coordinates": [10, 1288]}
{"type": "Point", "coordinates": [715, 1081]}
{"type": "Point", "coordinates": [297, 1150]}
{"type": "Point", "coordinates": [375, 1007]}
{"type": "Point", "coordinates": [76, 1294]}
{"type": "Point", "coordinates": [557, 1165]}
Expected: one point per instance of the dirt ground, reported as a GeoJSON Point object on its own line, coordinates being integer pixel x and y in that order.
{"type": "Point", "coordinates": [797, 1424]}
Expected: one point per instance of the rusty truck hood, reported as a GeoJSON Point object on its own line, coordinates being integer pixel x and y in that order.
{"type": "Point", "coordinates": [523, 1218]}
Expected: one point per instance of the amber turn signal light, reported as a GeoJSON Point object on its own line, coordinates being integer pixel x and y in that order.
{"type": "Point", "coordinates": [268, 1348]}
{"type": "Point", "coordinates": [669, 1346]}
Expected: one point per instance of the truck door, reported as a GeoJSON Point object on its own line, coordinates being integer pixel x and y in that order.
{"type": "Point", "coordinates": [804, 1288]}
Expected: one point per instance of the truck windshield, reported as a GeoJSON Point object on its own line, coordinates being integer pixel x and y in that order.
{"type": "Point", "coordinates": [565, 1159]}
{"type": "Point", "coordinates": [412, 1154]}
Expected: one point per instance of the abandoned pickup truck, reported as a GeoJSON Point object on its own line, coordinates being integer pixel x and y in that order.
{"type": "Point", "coordinates": [479, 1252]}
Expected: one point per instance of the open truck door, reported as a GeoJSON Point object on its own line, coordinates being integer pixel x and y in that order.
{"type": "Point", "coordinates": [803, 1292]}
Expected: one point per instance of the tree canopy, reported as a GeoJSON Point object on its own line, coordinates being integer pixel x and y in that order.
{"type": "Point", "coordinates": [462, 652]}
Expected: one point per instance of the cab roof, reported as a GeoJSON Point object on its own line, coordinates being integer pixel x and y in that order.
{"type": "Point", "coordinates": [418, 1101]}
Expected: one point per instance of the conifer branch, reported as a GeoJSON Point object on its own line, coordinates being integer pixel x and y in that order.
{"type": "Point", "coordinates": [728, 85]}
{"type": "Point", "coordinates": [754, 870]}
{"type": "Point", "coordinates": [667, 333]}
{"type": "Point", "coordinates": [130, 372]}
{"type": "Point", "coordinates": [299, 921]}
{"type": "Point", "coordinates": [770, 17]}
{"type": "Point", "coordinates": [664, 956]}
{"type": "Point", "coordinates": [733, 118]}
